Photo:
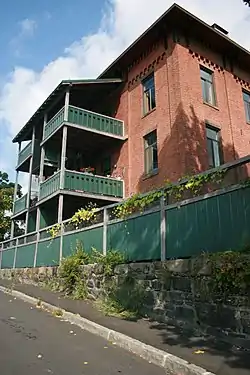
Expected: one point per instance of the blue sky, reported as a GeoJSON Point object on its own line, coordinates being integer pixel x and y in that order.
{"type": "Point", "coordinates": [57, 24]}
{"type": "Point", "coordinates": [43, 42]}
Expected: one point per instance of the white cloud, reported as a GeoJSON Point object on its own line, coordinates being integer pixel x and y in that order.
{"type": "Point", "coordinates": [122, 22]}
{"type": "Point", "coordinates": [27, 27]}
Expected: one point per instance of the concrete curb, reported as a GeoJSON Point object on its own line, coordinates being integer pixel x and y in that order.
{"type": "Point", "coordinates": [169, 362]}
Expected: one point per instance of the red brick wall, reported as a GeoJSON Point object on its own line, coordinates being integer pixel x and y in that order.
{"type": "Point", "coordinates": [180, 115]}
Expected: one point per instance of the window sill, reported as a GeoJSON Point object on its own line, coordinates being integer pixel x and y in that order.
{"type": "Point", "coordinates": [148, 113]}
{"type": "Point", "coordinates": [150, 174]}
{"type": "Point", "coordinates": [211, 106]}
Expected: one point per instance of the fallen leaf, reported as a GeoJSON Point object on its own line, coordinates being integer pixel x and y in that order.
{"type": "Point", "coordinates": [114, 343]}
{"type": "Point", "coordinates": [12, 318]}
{"type": "Point", "coordinates": [31, 308]}
{"type": "Point", "coordinates": [105, 347]}
{"type": "Point", "coordinates": [86, 363]}
{"type": "Point", "coordinates": [199, 352]}
{"type": "Point", "coordinates": [71, 332]}
{"type": "Point", "coordinates": [14, 297]}
{"type": "Point", "coordinates": [39, 356]}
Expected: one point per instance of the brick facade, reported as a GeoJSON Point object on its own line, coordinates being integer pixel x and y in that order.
{"type": "Point", "coordinates": [180, 114]}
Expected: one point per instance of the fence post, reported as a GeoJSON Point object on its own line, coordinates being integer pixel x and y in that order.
{"type": "Point", "coordinates": [61, 243]}
{"type": "Point", "coordinates": [14, 261]}
{"type": "Point", "coordinates": [1, 255]}
{"type": "Point", "coordinates": [105, 230]}
{"type": "Point", "coordinates": [163, 229]}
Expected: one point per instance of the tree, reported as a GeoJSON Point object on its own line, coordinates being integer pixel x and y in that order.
{"type": "Point", "coordinates": [6, 202]}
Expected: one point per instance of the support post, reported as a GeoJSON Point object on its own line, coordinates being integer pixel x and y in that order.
{"type": "Point", "coordinates": [30, 177]}
{"type": "Point", "coordinates": [44, 123]}
{"type": "Point", "coordinates": [14, 197]}
{"type": "Point", "coordinates": [63, 156]}
{"type": "Point", "coordinates": [66, 105]}
{"type": "Point", "coordinates": [105, 230]}
{"type": "Point", "coordinates": [163, 229]}
{"type": "Point", "coordinates": [38, 215]}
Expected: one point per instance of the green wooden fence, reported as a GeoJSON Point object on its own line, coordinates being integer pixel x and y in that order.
{"type": "Point", "coordinates": [219, 221]}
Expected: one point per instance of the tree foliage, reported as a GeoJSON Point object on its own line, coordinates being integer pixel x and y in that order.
{"type": "Point", "coordinates": [6, 202]}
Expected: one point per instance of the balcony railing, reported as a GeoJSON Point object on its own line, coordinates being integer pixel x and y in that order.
{"type": "Point", "coordinates": [54, 123]}
{"type": "Point", "coordinates": [85, 119]}
{"type": "Point", "coordinates": [83, 182]}
{"type": "Point", "coordinates": [20, 204]}
{"type": "Point", "coordinates": [50, 186]}
{"type": "Point", "coordinates": [24, 153]}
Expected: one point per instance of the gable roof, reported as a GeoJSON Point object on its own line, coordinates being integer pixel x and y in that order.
{"type": "Point", "coordinates": [176, 18]}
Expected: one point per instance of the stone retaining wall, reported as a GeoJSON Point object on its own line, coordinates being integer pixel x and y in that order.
{"type": "Point", "coordinates": [172, 294]}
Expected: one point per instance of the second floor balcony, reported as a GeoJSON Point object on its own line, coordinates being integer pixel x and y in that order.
{"type": "Point", "coordinates": [20, 205]}
{"type": "Point", "coordinates": [84, 119]}
{"type": "Point", "coordinates": [80, 183]}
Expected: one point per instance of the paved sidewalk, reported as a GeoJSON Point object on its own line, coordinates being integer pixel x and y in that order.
{"type": "Point", "coordinates": [218, 357]}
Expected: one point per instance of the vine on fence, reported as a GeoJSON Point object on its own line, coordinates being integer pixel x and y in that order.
{"type": "Point", "coordinates": [55, 230]}
{"type": "Point", "coordinates": [84, 215]}
{"type": "Point", "coordinates": [138, 202]}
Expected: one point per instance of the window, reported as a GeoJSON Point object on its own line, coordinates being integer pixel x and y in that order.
{"type": "Point", "coordinates": [207, 84]}
{"type": "Point", "coordinates": [246, 99]}
{"type": "Point", "coordinates": [150, 152]}
{"type": "Point", "coordinates": [213, 147]}
{"type": "Point", "coordinates": [148, 94]}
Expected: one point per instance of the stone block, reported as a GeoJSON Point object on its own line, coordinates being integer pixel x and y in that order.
{"type": "Point", "coordinates": [181, 284]}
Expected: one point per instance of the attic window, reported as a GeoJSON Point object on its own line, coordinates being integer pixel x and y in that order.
{"type": "Point", "coordinates": [217, 27]}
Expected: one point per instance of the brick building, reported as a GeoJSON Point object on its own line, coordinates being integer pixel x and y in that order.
{"type": "Point", "coordinates": [176, 102]}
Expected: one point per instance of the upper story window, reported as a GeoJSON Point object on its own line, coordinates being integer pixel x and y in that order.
{"type": "Point", "coordinates": [148, 94]}
{"type": "Point", "coordinates": [246, 99]}
{"type": "Point", "coordinates": [207, 84]}
{"type": "Point", "coordinates": [213, 146]}
{"type": "Point", "coordinates": [150, 152]}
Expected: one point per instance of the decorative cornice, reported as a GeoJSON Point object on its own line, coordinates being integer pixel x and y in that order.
{"type": "Point", "coordinates": [150, 68]}
{"type": "Point", "coordinates": [244, 84]}
{"type": "Point", "coordinates": [207, 62]}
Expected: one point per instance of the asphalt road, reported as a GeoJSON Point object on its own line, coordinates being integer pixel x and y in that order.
{"type": "Point", "coordinates": [33, 342]}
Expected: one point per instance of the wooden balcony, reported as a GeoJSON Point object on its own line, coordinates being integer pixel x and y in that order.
{"type": "Point", "coordinates": [20, 204]}
{"type": "Point", "coordinates": [86, 120]}
{"type": "Point", "coordinates": [76, 182]}
{"type": "Point", "coordinates": [25, 153]}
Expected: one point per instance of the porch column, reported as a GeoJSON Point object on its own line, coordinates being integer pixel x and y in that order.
{"type": "Point", "coordinates": [66, 105]}
{"type": "Point", "coordinates": [30, 177]}
{"type": "Point", "coordinates": [15, 194]}
{"type": "Point", "coordinates": [62, 172]}
{"type": "Point", "coordinates": [41, 169]}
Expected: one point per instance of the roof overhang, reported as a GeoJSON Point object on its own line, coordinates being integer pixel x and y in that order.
{"type": "Point", "coordinates": [25, 133]}
{"type": "Point", "coordinates": [177, 18]}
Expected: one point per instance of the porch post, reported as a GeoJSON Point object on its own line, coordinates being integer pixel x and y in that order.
{"type": "Point", "coordinates": [15, 194]}
{"type": "Point", "coordinates": [30, 177]}
{"type": "Point", "coordinates": [66, 105]}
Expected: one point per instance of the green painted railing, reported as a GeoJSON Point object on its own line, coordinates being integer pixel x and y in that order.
{"type": "Point", "coordinates": [20, 204]}
{"type": "Point", "coordinates": [83, 182]}
{"type": "Point", "coordinates": [24, 153]}
{"type": "Point", "coordinates": [49, 186]}
{"type": "Point", "coordinates": [54, 123]}
{"type": "Point", "coordinates": [86, 119]}
{"type": "Point", "coordinates": [95, 121]}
